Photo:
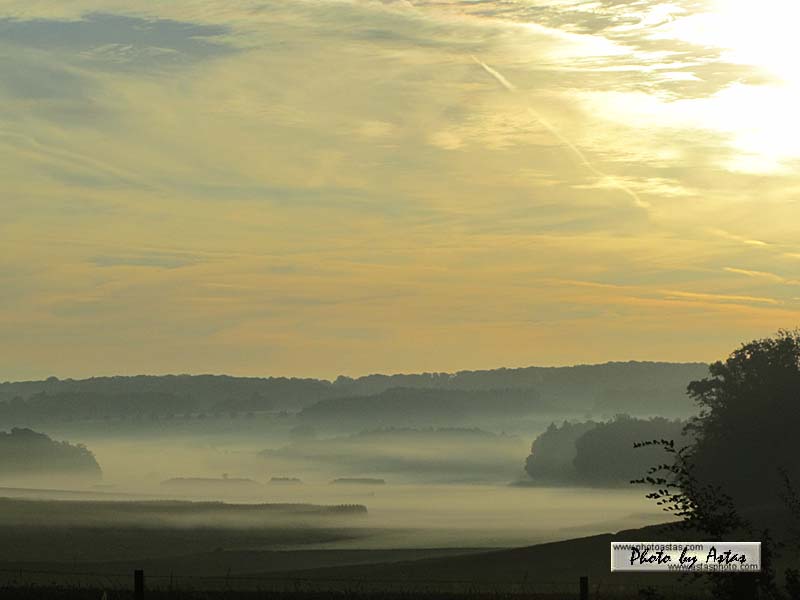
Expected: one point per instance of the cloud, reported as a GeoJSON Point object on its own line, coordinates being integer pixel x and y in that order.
{"type": "Point", "coordinates": [579, 154]}
{"type": "Point", "coordinates": [722, 298]}
{"type": "Point", "coordinates": [377, 129]}
{"type": "Point", "coordinates": [773, 277]}
{"type": "Point", "coordinates": [149, 259]}
{"type": "Point", "coordinates": [737, 238]}
{"type": "Point", "coordinates": [238, 184]}
{"type": "Point", "coordinates": [115, 41]}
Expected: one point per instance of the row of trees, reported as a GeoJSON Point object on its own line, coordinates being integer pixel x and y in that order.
{"type": "Point", "coordinates": [597, 453]}
{"type": "Point", "coordinates": [415, 407]}
{"type": "Point", "coordinates": [44, 407]}
{"type": "Point", "coordinates": [634, 387]}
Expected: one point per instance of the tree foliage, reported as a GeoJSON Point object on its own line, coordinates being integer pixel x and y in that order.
{"type": "Point", "coordinates": [24, 452]}
{"type": "Point", "coordinates": [596, 453]}
{"type": "Point", "coordinates": [737, 475]}
{"type": "Point", "coordinates": [746, 432]}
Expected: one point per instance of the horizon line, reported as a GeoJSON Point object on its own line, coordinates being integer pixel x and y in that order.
{"type": "Point", "coordinates": [357, 377]}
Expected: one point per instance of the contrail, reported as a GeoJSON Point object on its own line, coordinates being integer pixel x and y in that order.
{"type": "Point", "coordinates": [498, 76]}
{"type": "Point", "coordinates": [611, 180]}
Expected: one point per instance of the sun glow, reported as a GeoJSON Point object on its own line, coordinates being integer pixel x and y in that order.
{"type": "Point", "coordinates": [760, 116]}
{"type": "Point", "coordinates": [762, 34]}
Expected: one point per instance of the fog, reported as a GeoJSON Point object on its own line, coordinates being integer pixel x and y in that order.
{"type": "Point", "coordinates": [443, 488]}
{"type": "Point", "coordinates": [207, 473]}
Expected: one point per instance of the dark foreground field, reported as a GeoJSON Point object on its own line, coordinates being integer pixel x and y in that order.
{"type": "Point", "coordinates": [72, 550]}
{"type": "Point", "coordinates": [546, 571]}
{"type": "Point", "coordinates": [56, 593]}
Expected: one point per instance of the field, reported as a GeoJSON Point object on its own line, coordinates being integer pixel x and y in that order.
{"type": "Point", "coordinates": [176, 569]}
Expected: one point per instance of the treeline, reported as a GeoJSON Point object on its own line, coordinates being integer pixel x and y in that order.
{"type": "Point", "coordinates": [404, 407]}
{"type": "Point", "coordinates": [638, 388]}
{"type": "Point", "coordinates": [204, 391]}
{"type": "Point", "coordinates": [611, 376]}
{"type": "Point", "coordinates": [86, 405]}
{"type": "Point", "coordinates": [27, 453]}
{"type": "Point", "coordinates": [153, 396]}
{"type": "Point", "coordinates": [599, 453]}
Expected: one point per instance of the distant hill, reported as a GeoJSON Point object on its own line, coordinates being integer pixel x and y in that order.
{"type": "Point", "coordinates": [25, 454]}
{"type": "Point", "coordinates": [638, 388]}
{"type": "Point", "coordinates": [606, 376]}
{"type": "Point", "coordinates": [409, 407]}
{"type": "Point", "coordinates": [101, 397]}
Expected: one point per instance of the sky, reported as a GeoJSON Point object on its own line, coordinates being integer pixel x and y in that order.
{"type": "Point", "coordinates": [315, 188]}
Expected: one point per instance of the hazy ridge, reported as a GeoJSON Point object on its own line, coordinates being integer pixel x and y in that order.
{"type": "Point", "coordinates": [633, 387]}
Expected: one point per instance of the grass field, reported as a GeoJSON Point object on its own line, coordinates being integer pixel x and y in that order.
{"type": "Point", "coordinates": [543, 571]}
{"type": "Point", "coordinates": [84, 547]}
{"type": "Point", "coordinates": [75, 593]}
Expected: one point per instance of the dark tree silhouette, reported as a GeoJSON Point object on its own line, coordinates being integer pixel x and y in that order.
{"type": "Point", "coordinates": [596, 453]}
{"type": "Point", "coordinates": [750, 412]}
{"type": "Point", "coordinates": [553, 452]}
{"type": "Point", "coordinates": [736, 476]}
{"type": "Point", "coordinates": [24, 452]}
{"type": "Point", "coordinates": [701, 507]}
{"type": "Point", "coordinates": [602, 453]}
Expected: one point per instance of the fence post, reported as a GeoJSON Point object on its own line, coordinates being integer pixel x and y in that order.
{"type": "Point", "coordinates": [138, 584]}
{"type": "Point", "coordinates": [584, 587]}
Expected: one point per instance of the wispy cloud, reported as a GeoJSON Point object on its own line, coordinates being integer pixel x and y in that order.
{"type": "Point", "coordinates": [773, 277]}
{"type": "Point", "coordinates": [723, 298]}
{"type": "Point", "coordinates": [582, 159]}
{"type": "Point", "coordinates": [238, 184]}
